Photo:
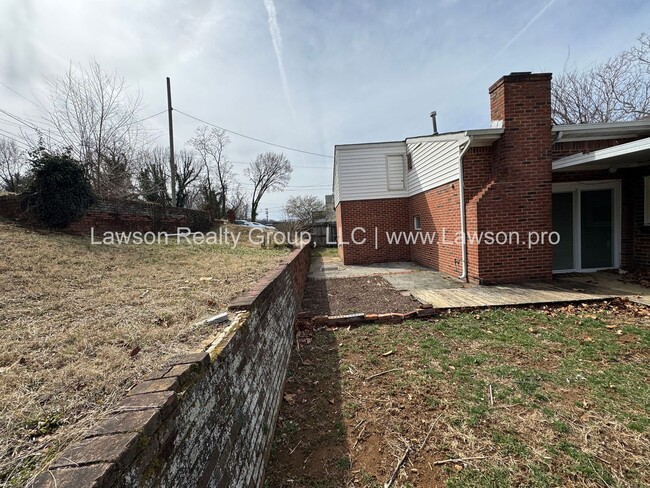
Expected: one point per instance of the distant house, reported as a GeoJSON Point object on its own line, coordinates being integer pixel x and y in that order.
{"type": "Point", "coordinates": [589, 184]}
{"type": "Point", "coordinates": [323, 229]}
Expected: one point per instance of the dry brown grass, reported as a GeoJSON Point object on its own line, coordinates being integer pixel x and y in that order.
{"type": "Point", "coordinates": [72, 314]}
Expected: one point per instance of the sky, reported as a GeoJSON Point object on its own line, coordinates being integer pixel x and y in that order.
{"type": "Point", "coordinates": [306, 74]}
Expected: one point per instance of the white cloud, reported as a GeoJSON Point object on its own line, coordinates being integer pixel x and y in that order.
{"type": "Point", "coordinates": [276, 37]}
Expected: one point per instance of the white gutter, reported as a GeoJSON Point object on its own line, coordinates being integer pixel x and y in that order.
{"type": "Point", "coordinates": [643, 124]}
{"type": "Point", "coordinates": [463, 219]}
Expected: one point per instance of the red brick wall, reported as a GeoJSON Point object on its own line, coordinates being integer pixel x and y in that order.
{"type": "Point", "coordinates": [564, 149]}
{"type": "Point", "coordinates": [11, 206]}
{"type": "Point", "coordinates": [377, 217]}
{"type": "Point", "coordinates": [112, 215]}
{"type": "Point", "coordinates": [339, 232]}
{"type": "Point", "coordinates": [477, 174]}
{"type": "Point", "coordinates": [641, 250]}
{"type": "Point", "coordinates": [439, 211]}
{"type": "Point", "coordinates": [517, 197]}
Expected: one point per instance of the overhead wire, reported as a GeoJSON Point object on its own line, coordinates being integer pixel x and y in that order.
{"type": "Point", "coordinates": [288, 148]}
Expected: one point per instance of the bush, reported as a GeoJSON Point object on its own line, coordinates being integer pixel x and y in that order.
{"type": "Point", "coordinates": [60, 191]}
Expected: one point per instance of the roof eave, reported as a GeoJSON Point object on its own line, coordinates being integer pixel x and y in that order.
{"type": "Point", "coordinates": [601, 131]}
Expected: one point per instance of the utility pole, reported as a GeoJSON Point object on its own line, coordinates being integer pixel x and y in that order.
{"type": "Point", "coordinates": [267, 215]}
{"type": "Point", "coordinates": [172, 162]}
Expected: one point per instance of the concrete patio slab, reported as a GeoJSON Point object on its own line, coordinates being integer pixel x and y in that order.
{"type": "Point", "coordinates": [424, 280]}
{"type": "Point", "coordinates": [333, 268]}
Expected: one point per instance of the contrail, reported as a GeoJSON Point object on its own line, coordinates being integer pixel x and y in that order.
{"type": "Point", "coordinates": [276, 37]}
{"type": "Point", "coordinates": [518, 34]}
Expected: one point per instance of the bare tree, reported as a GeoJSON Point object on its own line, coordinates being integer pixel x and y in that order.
{"type": "Point", "coordinates": [238, 201]}
{"type": "Point", "coordinates": [188, 173]}
{"type": "Point", "coordinates": [304, 210]}
{"type": "Point", "coordinates": [13, 167]}
{"type": "Point", "coordinates": [95, 114]}
{"type": "Point", "coordinates": [116, 174]}
{"type": "Point", "coordinates": [210, 145]}
{"type": "Point", "coordinates": [615, 90]}
{"type": "Point", "coordinates": [269, 172]}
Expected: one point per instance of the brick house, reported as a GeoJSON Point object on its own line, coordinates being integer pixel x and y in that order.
{"type": "Point", "coordinates": [553, 198]}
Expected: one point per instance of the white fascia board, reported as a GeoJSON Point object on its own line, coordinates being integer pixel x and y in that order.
{"type": "Point", "coordinates": [484, 137]}
{"type": "Point", "coordinates": [491, 134]}
{"type": "Point", "coordinates": [601, 131]}
{"type": "Point", "coordinates": [636, 124]}
{"type": "Point", "coordinates": [602, 154]}
{"type": "Point", "coordinates": [493, 131]}
{"type": "Point", "coordinates": [362, 145]}
{"type": "Point", "coordinates": [451, 136]}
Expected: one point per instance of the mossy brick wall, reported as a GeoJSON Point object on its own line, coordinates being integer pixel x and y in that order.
{"type": "Point", "coordinates": [112, 215]}
{"type": "Point", "coordinates": [206, 419]}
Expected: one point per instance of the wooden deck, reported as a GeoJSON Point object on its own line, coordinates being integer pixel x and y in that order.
{"type": "Point", "coordinates": [562, 289]}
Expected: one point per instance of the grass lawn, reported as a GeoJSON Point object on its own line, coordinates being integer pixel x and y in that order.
{"type": "Point", "coordinates": [543, 397]}
{"type": "Point", "coordinates": [79, 323]}
{"type": "Point", "coordinates": [326, 252]}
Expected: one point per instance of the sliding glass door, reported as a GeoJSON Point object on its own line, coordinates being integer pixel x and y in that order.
{"type": "Point", "coordinates": [597, 228]}
{"type": "Point", "coordinates": [586, 215]}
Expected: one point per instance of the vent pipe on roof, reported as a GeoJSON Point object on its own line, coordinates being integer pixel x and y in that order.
{"type": "Point", "coordinates": [435, 124]}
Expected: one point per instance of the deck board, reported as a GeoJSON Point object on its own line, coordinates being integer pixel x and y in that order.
{"type": "Point", "coordinates": [487, 296]}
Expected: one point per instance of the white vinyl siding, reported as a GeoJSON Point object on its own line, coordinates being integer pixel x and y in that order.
{"type": "Point", "coordinates": [362, 171]}
{"type": "Point", "coordinates": [434, 163]}
{"type": "Point", "coordinates": [395, 170]}
{"type": "Point", "coordinates": [374, 171]}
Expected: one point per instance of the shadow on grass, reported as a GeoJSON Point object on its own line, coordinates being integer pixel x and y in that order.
{"type": "Point", "coordinates": [316, 300]}
{"type": "Point", "coordinates": [310, 447]}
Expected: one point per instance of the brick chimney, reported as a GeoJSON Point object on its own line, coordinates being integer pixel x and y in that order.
{"type": "Point", "coordinates": [521, 104]}
{"type": "Point", "coordinates": [519, 195]}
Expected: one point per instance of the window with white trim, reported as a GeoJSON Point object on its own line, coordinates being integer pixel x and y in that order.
{"type": "Point", "coordinates": [646, 201]}
{"type": "Point", "coordinates": [417, 225]}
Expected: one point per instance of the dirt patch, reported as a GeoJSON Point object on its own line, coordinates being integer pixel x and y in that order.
{"type": "Point", "coordinates": [495, 398]}
{"type": "Point", "coordinates": [80, 323]}
{"type": "Point", "coordinates": [368, 294]}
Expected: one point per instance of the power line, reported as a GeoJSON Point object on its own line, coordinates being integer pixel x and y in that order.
{"type": "Point", "coordinates": [20, 94]}
{"type": "Point", "coordinates": [293, 165]}
{"type": "Point", "coordinates": [8, 135]}
{"type": "Point", "coordinates": [300, 190]}
{"type": "Point", "coordinates": [294, 186]}
{"type": "Point", "coordinates": [31, 125]}
{"type": "Point", "coordinates": [151, 116]}
{"type": "Point", "coordinates": [253, 138]}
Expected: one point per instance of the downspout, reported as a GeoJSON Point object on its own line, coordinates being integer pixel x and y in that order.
{"type": "Point", "coordinates": [463, 219]}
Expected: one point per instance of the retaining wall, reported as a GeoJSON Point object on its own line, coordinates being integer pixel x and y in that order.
{"type": "Point", "coordinates": [112, 215]}
{"type": "Point", "coordinates": [206, 419]}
